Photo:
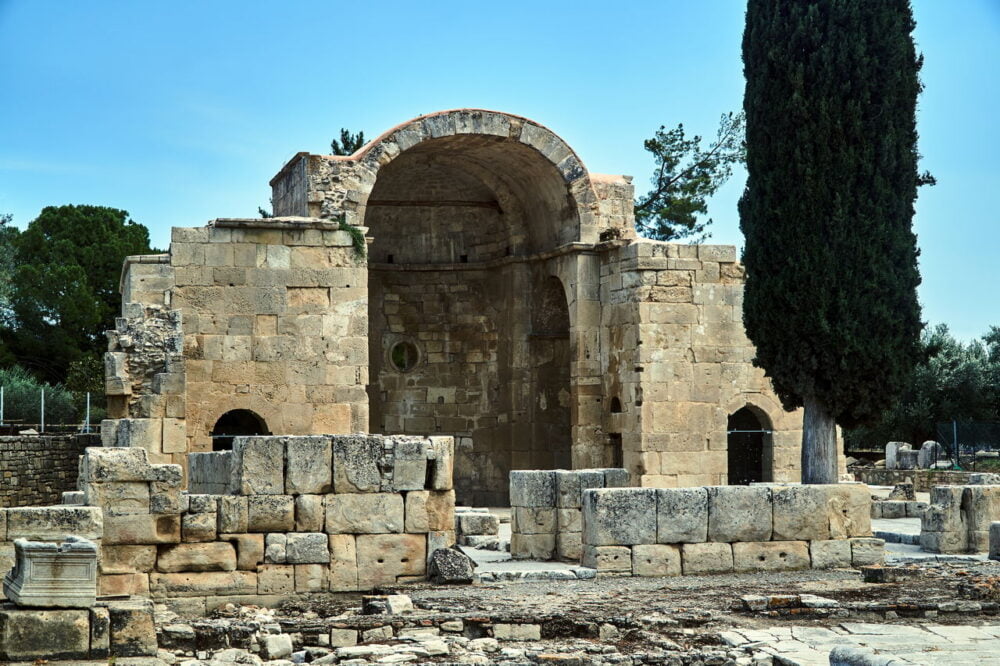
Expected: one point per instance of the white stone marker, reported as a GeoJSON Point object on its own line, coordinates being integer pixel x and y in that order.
{"type": "Point", "coordinates": [52, 575]}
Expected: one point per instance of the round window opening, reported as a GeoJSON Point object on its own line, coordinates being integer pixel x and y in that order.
{"type": "Point", "coordinates": [404, 355]}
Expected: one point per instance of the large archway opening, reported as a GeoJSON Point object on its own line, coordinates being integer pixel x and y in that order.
{"type": "Point", "coordinates": [236, 423]}
{"type": "Point", "coordinates": [455, 274]}
{"type": "Point", "coordinates": [749, 447]}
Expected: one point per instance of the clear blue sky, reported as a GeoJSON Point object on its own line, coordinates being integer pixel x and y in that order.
{"type": "Point", "coordinates": [181, 112]}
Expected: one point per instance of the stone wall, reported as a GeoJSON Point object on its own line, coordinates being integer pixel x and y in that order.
{"type": "Point", "coordinates": [36, 470]}
{"type": "Point", "coordinates": [546, 520]}
{"type": "Point", "coordinates": [669, 532]}
{"type": "Point", "coordinates": [958, 519]}
{"type": "Point", "coordinates": [299, 514]}
{"type": "Point", "coordinates": [923, 479]}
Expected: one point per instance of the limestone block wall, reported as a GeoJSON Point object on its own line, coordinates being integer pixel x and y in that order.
{"type": "Point", "coordinates": [680, 364]}
{"type": "Point", "coordinates": [546, 519]}
{"type": "Point", "coordinates": [675, 531]}
{"type": "Point", "coordinates": [299, 514]}
{"type": "Point", "coordinates": [958, 518]}
{"type": "Point", "coordinates": [35, 470]}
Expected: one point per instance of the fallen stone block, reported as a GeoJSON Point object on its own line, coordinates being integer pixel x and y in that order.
{"type": "Point", "coordinates": [681, 515]}
{"type": "Point", "coordinates": [215, 556]}
{"type": "Point", "coordinates": [386, 604]}
{"type": "Point", "coordinates": [343, 637]}
{"type": "Point", "coordinates": [355, 463]}
{"type": "Point", "coordinates": [276, 646]}
{"type": "Point", "coordinates": [739, 513]}
{"type": "Point", "coordinates": [307, 548]}
{"type": "Point", "coordinates": [619, 516]}
{"type": "Point", "coordinates": [656, 560]}
{"type": "Point", "coordinates": [364, 513]}
{"type": "Point", "coordinates": [532, 488]}
{"type": "Point", "coordinates": [477, 523]}
{"type": "Point", "coordinates": [830, 554]}
{"type": "Point", "coordinates": [771, 556]}
{"type": "Point", "coordinates": [703, 558]}
{"type": "Point", "coordinates": [607, 559]}
{"type": "Point", "coordinates": [517, 632]}
{"type": "Point", "coordinates": [450, 566]}
{"type": "Point", "coordinates": [30, 634]}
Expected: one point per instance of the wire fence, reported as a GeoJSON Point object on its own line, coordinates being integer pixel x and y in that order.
{"type": "Point", "coordinates": [971, 445]}
{"type": "Point", "coordinates": [16, 426]}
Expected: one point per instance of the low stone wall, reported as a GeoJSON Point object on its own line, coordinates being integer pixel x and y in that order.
{"type": "Point", "coordinates": [545, 510]}
{"type": "Point", "coordinates": [958, 519]}
{"type": "Point", "coordinates": [923, 479]}
{"type": "Point", "coordinates": [669, 532]}
{"type": "Point", "coordinates": [898, 509]}
{"type": "Point", "coordinates": [35, 470]}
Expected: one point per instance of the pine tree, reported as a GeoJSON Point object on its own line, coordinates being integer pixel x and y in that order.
{"type": "Point", "coordinates": [831, 258]}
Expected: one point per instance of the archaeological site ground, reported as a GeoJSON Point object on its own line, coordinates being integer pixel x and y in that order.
{"type": "Point", "coordinates": [447, 407]}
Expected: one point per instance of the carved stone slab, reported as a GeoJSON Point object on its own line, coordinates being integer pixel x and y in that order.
{"type": "Point", "coordinates": [52, 575]}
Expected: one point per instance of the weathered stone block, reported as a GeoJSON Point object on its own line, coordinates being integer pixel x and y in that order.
{"type": "Point", "coordinates": [307, 548]}
{"type": "Point", "coordinates": [249, 549]}
{"type": "Point", "coordinates": [681, 515]}
{"type": "Point", "coordinates": [477, 523]}
{"type": "Point", "coordinates": [364, 513]}
{"type": "Point", "coordinates": [311, 577]}
{"type": "Point", "coordinates": [123, 585]}
{"type": "Point", "coordinates": [607, 558]}
{"type": "Point", "coordinates": [830, 554]}
{"type": "Point", "coordinates": [118, 498]}
{"type": "Point", "coordinates": [258, 466]}
{"type": "Point", "coordinates": [429, 511]}
{"type": "Point", "coordinates": [54, 523]}
{"type": "Point", "coordinates": [140, 529]}
{"type": "Point", "coordinates": [202, 584]}
{"type": "Point", "coordinates": [215, 556]}
{"type": "Point", "coordinates": [570, 485]}
{"type": "Point", "coordinates": [533, 520]}
{"type": "Point", "coordinates": [198, 527]}
{"type": "Point", "coordinates": [532, 546]}
{"type": "Point", "coordinates": [517, 632]}
{"type": "Point", "coordinates": [656, 560]}
{"type": "Point", "coordinates": [270, 513]}
{"type": "Point", "coordinates": [409, 463]}
{"type": "Point", "coordinates": [800, 513]}
{"type": "Point", "coordinates": [309, 513]}
{"type": "Point", "coordinates": [944, 542]}
{"type": "Point", "coordinates": [532, 488]}
{"type": "Point", "coordinates": [981, 505]}
{"type": "Point", "coordinates": [703, 558]}
{"type": "Point", "coordinates": [133, 633]}
{"type": "Point", "coordinates": [275, 579]}
{"type": "Point", "coordinates": [343, 637]}
{"type": "Point", "coordinates": [355, 463]}
{"type": "Point", "coordinates": [893, 509]}
{"type": "Point", "coordinates": [384, 557]}
{"type": "Point", "coordinates": [100, 633]}
{"type": "Point", "coordinates": [739, 513]}
{"type": "Point", "coordinates": [619, 516]}
{"type": "Point", "coordinates": [771, 556]}
{"type": "Point", "coordinates": [849, 508]}
{"type": "Point", "coordinates": [569, 520]}
{"type": "Point", "coordinates": [233, 514]}
{"type": "Point", "coordinates": [29, 634]}
{"type": "Point", "coordinates": [442, 463]}
{"type": "Point", "coordinates": [343, 574]}
{"type": "Point", "coordinates": [867, 551]}
{"type": "Point", "coordinates": [615, 477]}
{"type": "Point", "coordinates": [127, 559]}
{"type": "Point", "coordinates": [308, 465]}
{"type": "Point", "coordinates": [569, 546]}
{"type": "Point", "coordinates": [274, 548]}
{"type": "Point", "coordinates": [994, 551]}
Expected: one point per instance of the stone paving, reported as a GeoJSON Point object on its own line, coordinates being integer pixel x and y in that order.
{"type": "Point", "coordinates": [955, 645]}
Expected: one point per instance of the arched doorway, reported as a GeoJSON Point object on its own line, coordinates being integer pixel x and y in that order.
{"type": "Point", "coordinates": [749, 447]}
{"type": "Point", "coordinates": [236, 423]}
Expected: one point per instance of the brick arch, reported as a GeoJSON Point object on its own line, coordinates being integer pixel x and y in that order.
{"type": "Point", "coordinates": [529, 160]}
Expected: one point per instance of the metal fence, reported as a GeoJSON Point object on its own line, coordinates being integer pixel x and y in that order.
{"type": "Point", "coordinates": [971, 444]}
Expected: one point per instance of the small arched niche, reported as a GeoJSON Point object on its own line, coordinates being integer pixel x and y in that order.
{"type": "Point", "coordinates": [236, 423]}
{"type": "Point", "coordinates": [750, 452]}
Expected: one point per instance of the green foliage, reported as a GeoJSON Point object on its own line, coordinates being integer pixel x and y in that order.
{"type": "Point", "coordinates": [357, 238]}
{"type": "Point", "coordinates": [953, 381]}
{"type": "Point", "coordinates": [64, 289]}
{"type": "Point", "coordinates": [831, 258]}
{"type": "Point", "coordinates": [685, 177]}
{"type": "Point", "coordinates": [8, 236]}
{"type": "Point", "coordinates": [348, 144]}
{"type": "Point", "coordinates": [264, 213]}
{"type": "Point", "coordinates": [22, 398]}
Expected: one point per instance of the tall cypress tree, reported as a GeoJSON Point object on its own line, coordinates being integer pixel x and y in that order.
{"type": "Point", "coordinates": [831, 258]}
